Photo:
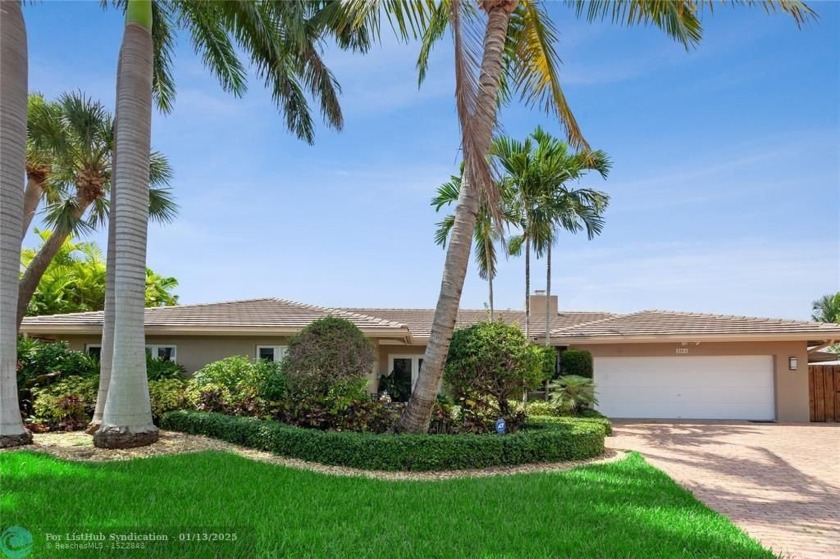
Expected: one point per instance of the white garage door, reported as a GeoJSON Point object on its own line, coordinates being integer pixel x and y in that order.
{"type": "Point", "coordinates": [735, 387]}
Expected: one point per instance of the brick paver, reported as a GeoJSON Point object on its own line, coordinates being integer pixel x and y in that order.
{"type": "Point", "coordinates": [780, 483]}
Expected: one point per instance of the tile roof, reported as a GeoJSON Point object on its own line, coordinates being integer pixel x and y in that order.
{"type": "Point", "coordinates": [283, 315]}
{"type": "Point", "coordinates": [672, 323]}
{"type": "Point", "coordinates": [269, 312]}
{"type": "Point", "coordinates": [419, 321]}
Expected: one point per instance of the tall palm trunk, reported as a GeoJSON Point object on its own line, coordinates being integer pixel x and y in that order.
{"type": "Point", "coordinates": [106, 356]}
{"type": "Point", "coordinates": [528, 288]}
{"type": "Point", "coordinates": [127, 417]}
{"type": "Point", "coordinates": [38, 266]}
{"type": "Point", "coordinates": [418, 413]}
{"type": "Point", "coordinates": [13, 107]}
{"type": "Point", "coordinates": [548, 296]}
{"type": "Point", "coordinates": [490, 274]}
{"type": "Point", "coordinates": [31, 199]}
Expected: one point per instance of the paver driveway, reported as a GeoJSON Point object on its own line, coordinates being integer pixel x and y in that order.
{"type": "Point", "coordinates": [780, 483]}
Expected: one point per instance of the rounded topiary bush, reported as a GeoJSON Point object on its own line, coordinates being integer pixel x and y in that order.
{"type": "Point", "coordinates": [488, 365]}
{"type": "Point", "coordinates": [326, 354]}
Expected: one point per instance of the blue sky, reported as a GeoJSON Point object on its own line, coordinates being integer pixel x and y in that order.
{"type": "Point", "coordinates": [725, 184]}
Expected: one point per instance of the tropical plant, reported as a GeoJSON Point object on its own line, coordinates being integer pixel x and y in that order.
{"type": "Point", "coordinates": [485, 237]}
{"type": "Point", "coordinates": [537, 171]}
{"type": "Point", "coordinates": [41, 363]}
{"type": "Point", "coordinates": [827, 308]}
{"type": "Point", "coordinates": [573, 394]}
{"type": "Point", "coordinates": [488, 365]}
{"type": "Point", "coordinates": [77, 181]}
{"type": "Point", "coordinates": [74, 281]}
{"type": "Point", "coordinates": [517, 56]}
{"type": "Point", "coordinates": [281, 39]}
{"type": "Point", "coordinates": [14, 74]}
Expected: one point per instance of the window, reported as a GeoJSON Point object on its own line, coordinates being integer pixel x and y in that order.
{"type": "Point", "coordinates": [163, 352]}
{"type": "Point", "coordinates": [271, 352]}
{"type": "Point", "coordinates": [405, 366]}
{"type": "Point", "coordinates": [94, 350]}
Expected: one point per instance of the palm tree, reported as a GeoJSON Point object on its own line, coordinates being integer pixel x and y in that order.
{"type": "Point", "coordinates": [517, 48]}
{"type": "Point", "coordinates": [13, 105]}
{"type": "Point", "coordinates": [485, 237]}
{"type": "Point", "coordinates": [127, 417]}
{"type": "Point", "coordinates": [827, 308]}
{"type": "Point", "coordinates": [538, 169]}
{"type": "Point", "coordinates": [77, 178]}
{"type": "Point", "coordinates": [281, 39]}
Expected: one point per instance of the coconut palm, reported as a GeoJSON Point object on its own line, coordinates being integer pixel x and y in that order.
{"type": "Point", "coordinates": [485, 237]}
{"type": "Point", "coordinates": [13, 107]}
{"type": "Point", "coordinates": [827, 308]}
{"type": "Point", "coordinates": [77, 180]}
{"type": "Point", "coordinates": [517, 53]}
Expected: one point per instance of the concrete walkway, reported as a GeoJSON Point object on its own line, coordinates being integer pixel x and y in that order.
{"type": "Point", "coordinates": [780, 483]}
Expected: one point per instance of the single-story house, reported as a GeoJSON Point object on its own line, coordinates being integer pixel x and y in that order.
{"type": "Point", "coordinates": [648, 364]}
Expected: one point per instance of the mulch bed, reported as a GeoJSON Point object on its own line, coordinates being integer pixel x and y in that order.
{"type": "Point", "coordinates": [78, 446]}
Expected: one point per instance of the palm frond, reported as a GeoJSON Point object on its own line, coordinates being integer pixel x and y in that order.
{"type": "Point", "coordinates": [162, 206]}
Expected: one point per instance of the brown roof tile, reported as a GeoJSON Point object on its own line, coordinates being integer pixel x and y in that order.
{"type": "Point", "coordinates": [419, 321]}
{"type": "Point", "coordinates": [672, 323]}
{"type": "Point", "coordinates": [255, 313]}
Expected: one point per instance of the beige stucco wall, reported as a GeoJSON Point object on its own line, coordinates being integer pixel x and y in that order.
{"type": "Point", "coordinates": [195, 352]}
{"type": "Point", "coordinates": [791, 386]}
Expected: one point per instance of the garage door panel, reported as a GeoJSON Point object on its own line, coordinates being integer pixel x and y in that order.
{"type": "Point", "coordinates": [686, 387]}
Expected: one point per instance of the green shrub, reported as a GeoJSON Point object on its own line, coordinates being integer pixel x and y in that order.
{"type": "Point", "coordinates": [553, 440]}
{"type": "Point", "coordinates": [326, 353]}
{"type": "Point", "coordinates": [576, 362]}
{"type": "Point", "coordinates": [489, 364]}
{"type": "Point", "coordinates": [573, 394]}
{"type": "Point", "coordinates": [159, 369]}
{"type": "Point", "coordinates": [548, 358]}
{"type": "Point", "coordinates": [167, 395]}
{"type": "Point", "coordinates": [67, 404]}
{"type": "Point", "coordinates": [238, 385]}
{"type": "Point", "coordinates": [541, 408]}
{"type": "Point", "coordinates": [593, 418]}
{"type": "Point", "coordinates": [41, 363]}
{"type": "Point", "coordinates": [210, 397]}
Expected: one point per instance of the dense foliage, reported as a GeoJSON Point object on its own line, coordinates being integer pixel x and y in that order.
{"type": "Point", "coordinates": [572, 394]}
{"type": "Point", "coordinates": [75, 281]}
{"type": "Point", "coordinates": [490, 364]}
{"type": "Point", "coordinates": [328, 352]}
{"type": "Point", "coordinates": [327, 366]}
{"type": "Point", "coordinates": [557, 440]}
{"type": "Point", "coordinates": [576, 362]}
{"type": "Point", "coordinates": [159, 369]}
{"type": "Point", "coordinates": [67, 404]}
{"type": "Point", "coordinates": [238, 385]}
{"type": "Point", "coordinates": [42, 363]}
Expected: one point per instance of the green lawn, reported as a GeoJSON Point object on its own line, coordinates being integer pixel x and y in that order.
{"type": "Point", "coordinates": [621, 509]}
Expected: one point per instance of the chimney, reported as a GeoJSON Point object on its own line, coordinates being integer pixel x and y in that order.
{"type": "Point", "coordinates": [537, 301]}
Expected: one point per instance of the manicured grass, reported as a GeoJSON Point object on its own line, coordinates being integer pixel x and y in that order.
{"type": "Point", "coordinates": [621, 509]}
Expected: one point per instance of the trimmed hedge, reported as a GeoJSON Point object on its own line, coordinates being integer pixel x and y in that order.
{"type": "Point", "coordinates": [594, 419]}
{"type": "Point", "coordinates": [543, 440]}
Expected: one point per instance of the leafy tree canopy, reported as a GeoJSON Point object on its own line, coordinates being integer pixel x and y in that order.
{"type": "Point", "coordinates": [75, 281]}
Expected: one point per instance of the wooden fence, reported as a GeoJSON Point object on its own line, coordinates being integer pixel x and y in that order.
{"type": "Point", "coordinates": [824, 392]}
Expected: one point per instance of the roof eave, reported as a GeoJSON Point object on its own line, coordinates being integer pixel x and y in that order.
{"type": "Point", "coordinates": [694, 338]}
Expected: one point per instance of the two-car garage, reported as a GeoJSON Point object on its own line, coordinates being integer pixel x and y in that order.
{"type": "Point", "coordinates": [687, 387]}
